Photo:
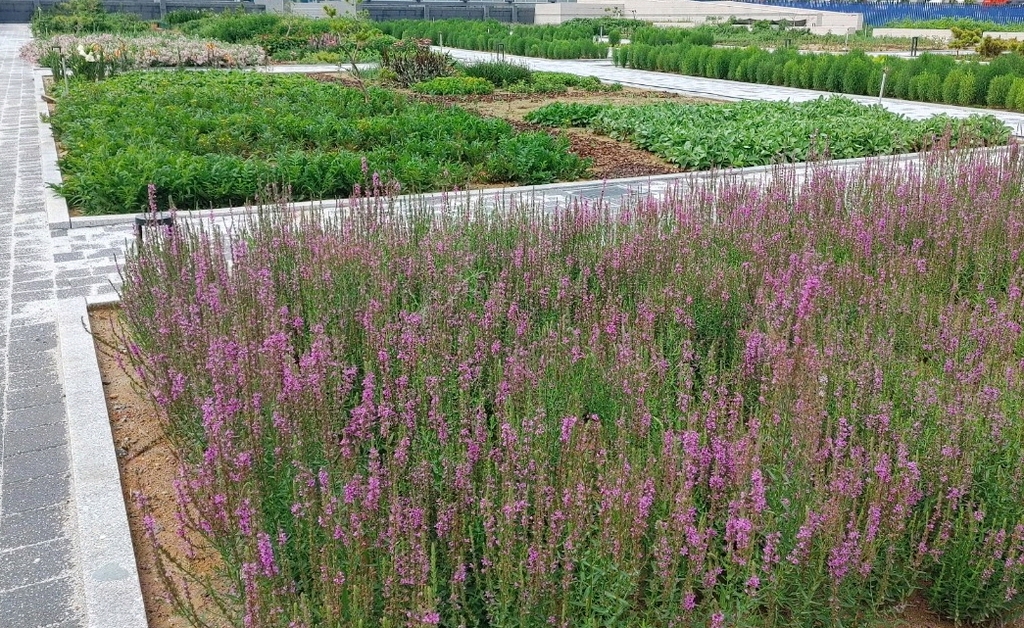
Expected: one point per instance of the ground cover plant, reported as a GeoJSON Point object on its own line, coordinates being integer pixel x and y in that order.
{"type": "Point", "coordinates": [928, 78]}
{"type": "Point", "coordinates": [454, 86]}
{"type": "Point", "coordinates": [294, 38]}
{"type": "Point", "coordinates": [520, 79]}
{"type": "Point", "coordinates": [219, 138]}
{"type": "Point", "coordinates": [572, 40]}
{"type": "Point", "coordinates": [788, 404]}
{"type": "Point", "coordinates": [957, 22]}
{"type": "Point", "coordinates": [101, 55]}
{"type": "Point", "coordinates": [757, 133]}
{"type": "Point", "coordinates": [84, 16]}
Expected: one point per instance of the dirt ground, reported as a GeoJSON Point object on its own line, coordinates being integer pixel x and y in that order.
{"type": "Point", "coordinates": [148, 466]}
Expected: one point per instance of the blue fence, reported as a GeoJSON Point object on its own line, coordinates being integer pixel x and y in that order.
{"type": "Point", "coordinates": [882, 14]}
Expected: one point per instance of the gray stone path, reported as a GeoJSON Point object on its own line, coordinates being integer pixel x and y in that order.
{"type": "Point", "coordinates": [39, 582]}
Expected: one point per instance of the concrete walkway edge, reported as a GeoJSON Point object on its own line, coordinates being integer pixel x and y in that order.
{"type": "Point", "coordinates": [113, 596]}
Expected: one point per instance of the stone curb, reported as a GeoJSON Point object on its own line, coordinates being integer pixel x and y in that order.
{"type": "Point", "coordinates": [56, 206]}
{"type": "Point", "coordinates": [537, 193]}
{"type": "Point", "coordinates": [112, 594]}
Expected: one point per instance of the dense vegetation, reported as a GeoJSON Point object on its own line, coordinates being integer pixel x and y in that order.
{"type": "Point", "coordinates": [220, 138]}
{"type": "Point", "coordinates": [83, 17]}
{"type": "Point", "coordinates": [958, 22]}
{"type": "Point", "coordinates": [765, 405]}
{"type": "Point", "coordinates": [572, 40]}
{"type": "Point", "coordinates": [756, 133]}
{"type": "Point", "coordinates": [293, 38]}
{"type": "Point", "coordinates": [928, 78]}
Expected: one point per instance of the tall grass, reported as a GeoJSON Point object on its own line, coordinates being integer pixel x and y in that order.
{"type": "Point", "coordinates": [789, 405]}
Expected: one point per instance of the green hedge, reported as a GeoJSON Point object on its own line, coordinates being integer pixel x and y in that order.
{"type": "Point", "coordinates": [928, 78]}
{"type": "Point", "coordinates": [572, 40]}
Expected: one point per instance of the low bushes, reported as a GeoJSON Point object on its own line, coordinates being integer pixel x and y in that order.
{"type": "Point", "coordinates": [928, 78]}
{"type": "Point", "coordinates": [500, 73]}
{"type": "Point", "coordinates": [454, 86]}
{"type": "Point", "coordinates": [572, 40]}
{"type": "Point", "coordinates": [83, 17]}
{"type": "Point", "coordinates": [221, 138]}
{"type": "Point", "coordinates": [758, 133]}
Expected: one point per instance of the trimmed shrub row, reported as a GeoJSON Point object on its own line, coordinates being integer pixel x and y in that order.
{"type": "Point", "coordinates": [928, 78]}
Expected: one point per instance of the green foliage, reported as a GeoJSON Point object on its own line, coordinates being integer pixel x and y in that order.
{"type": "Point", "coordinates": [565, 114]}
{"type": "Point", "coordinates": [500, 73]}
{"type": "Point", "coordinates": [532, 159]}
{"type": "Point", "coordinates": [560, 83]}
{"type": "Point", "coordinates": [957, 22]}
{"type": "Point", "coordinates": [928, 78]}
{"type": "Point", "coordinates": [965, 37]}
{"type": "Point", "coordinates": [572, 40]}
{"type": "Point", "coordinates": [181, 16]}
{"type": "Point", "coordinates": [221, 138]}
{"type": "Point", "coordinates": [1015, 95]}
{"type": "Point", "coordinates": [293, 38]}
{"type": "Point", "coordinates": [410, 61]}
{"type": "Point", "coordinates": [998, 89]}
{"type": "Point", "coordinates": [454, 86]}
{"type": "Point", "coordinates": [760, 133]}
{"type": "Point", "coordinates": [84, 16]}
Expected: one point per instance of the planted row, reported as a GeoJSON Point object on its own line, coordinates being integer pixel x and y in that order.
{"type": "Point", "coordinates": [99, 56]}
{"type": "Point", "coordinates": [928, 78]}
{"type": "Point", "coordinates": [221, 138]}
{"type": "Point", "coordinates": [757, 133]}
{"type": "Point", "coordinates": [572, 40]}
{"type": "Point", "coordinates": [770, 406]}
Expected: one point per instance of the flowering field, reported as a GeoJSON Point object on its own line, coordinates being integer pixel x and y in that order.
{"type": "Point", "coordinates": [119, 53]}
{"type": "Point", "coordinates": [780, 405]}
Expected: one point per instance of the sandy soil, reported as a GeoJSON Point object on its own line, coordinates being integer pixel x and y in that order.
{"type": "Point", "coordinates": [148, 465]}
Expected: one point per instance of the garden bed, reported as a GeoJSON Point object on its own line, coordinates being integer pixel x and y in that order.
{"type": "Point", "coordinates": [611, 159]}
{"type": "Point", "coordinates": [148, 465]}
{"type": "Point", "coordinates": [218, 139]}
{"type": "Point", "coordinates": [760, 377]}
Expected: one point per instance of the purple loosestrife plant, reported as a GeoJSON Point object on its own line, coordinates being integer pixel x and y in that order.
{"type": "Point", "coordinates": [784, 405]}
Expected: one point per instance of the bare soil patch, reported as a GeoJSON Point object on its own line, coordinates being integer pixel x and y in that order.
{"type": "Point", "coordinates": [148, 465]}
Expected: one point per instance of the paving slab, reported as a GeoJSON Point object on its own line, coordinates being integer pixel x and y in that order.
{"type": "Point", "coordinates": [40, 574]}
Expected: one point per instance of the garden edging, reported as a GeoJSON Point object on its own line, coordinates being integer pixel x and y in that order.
{"type": "Point", "coordinates": [110, 578]}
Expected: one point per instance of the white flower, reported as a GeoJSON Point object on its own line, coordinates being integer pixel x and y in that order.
{"type": "Point", "coordinates": [88, 56]}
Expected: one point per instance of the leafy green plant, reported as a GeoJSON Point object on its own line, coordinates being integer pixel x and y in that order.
{"type": "Point", "coordinates": [454, 86]}
{"type": "Point", "coordinates": [565, 114]}
{"type": "Point", "coordinates": [84, 16]}
{"type": "Point", "coordinates": [759, 133]}
{"type": "Point", "coordinates": [572, 40]}
{"type": "Point", "coordinates": [220, 138]}
{"type": "Point", "coordinates": [500, 73]}
{"type": "Point", "coordinates": [412, 61]}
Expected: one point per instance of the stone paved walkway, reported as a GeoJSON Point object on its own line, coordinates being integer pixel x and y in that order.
{"type": "Point", "coordinates": [39, 582]}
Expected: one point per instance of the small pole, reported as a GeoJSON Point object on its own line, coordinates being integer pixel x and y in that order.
{"type": "Point", "coordinates": [881, 90]}
{"type": "Point", "coordinates": [913, 46]}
